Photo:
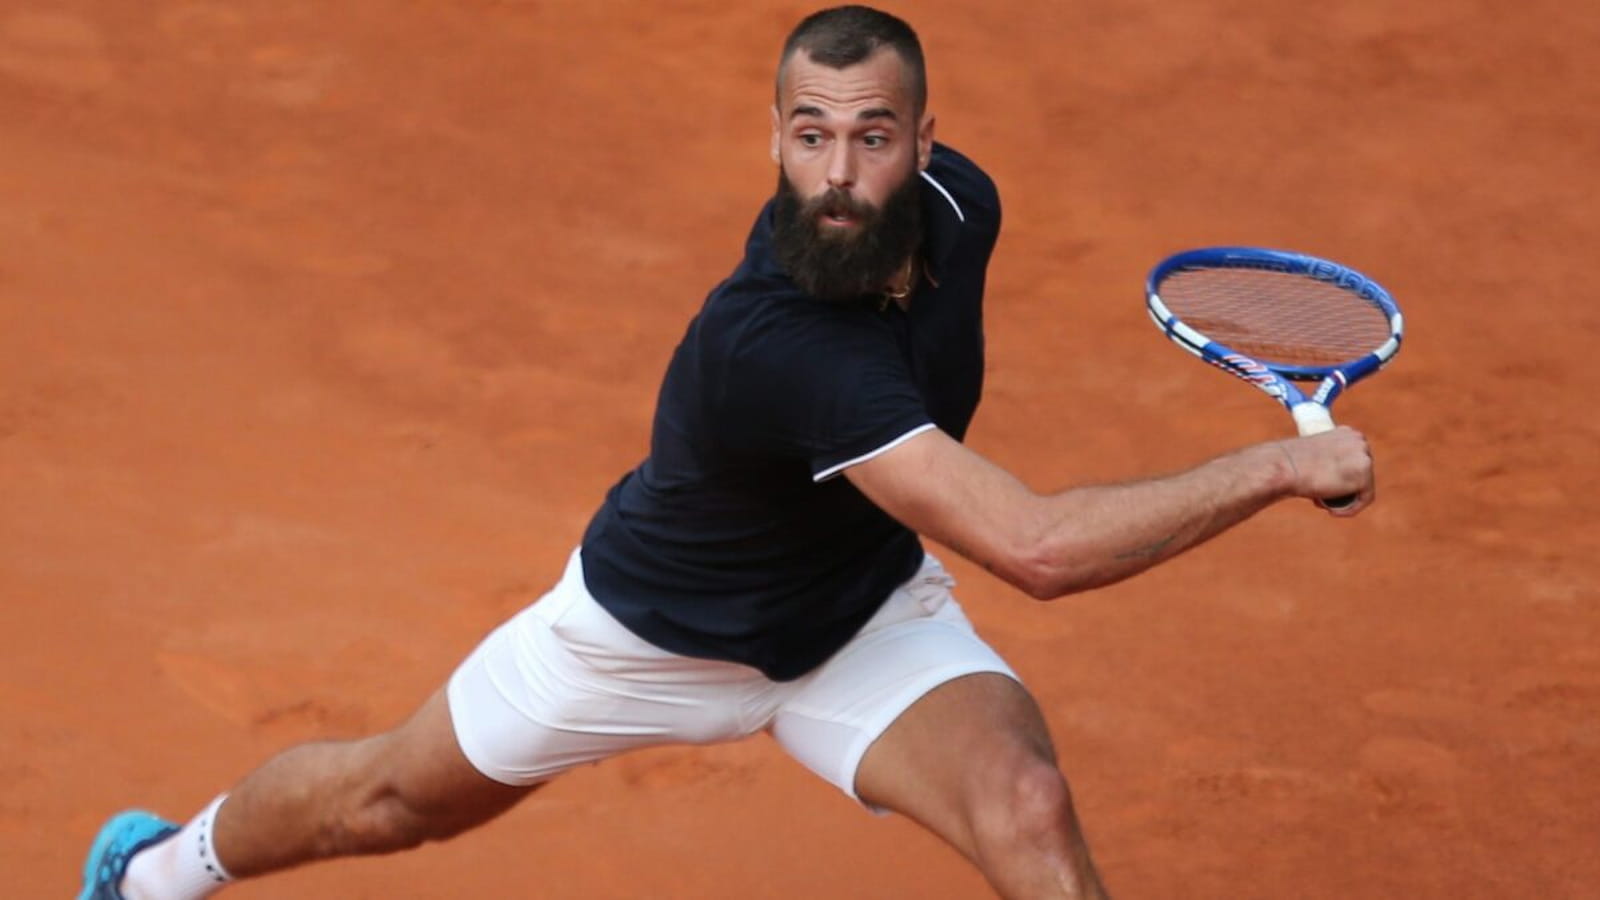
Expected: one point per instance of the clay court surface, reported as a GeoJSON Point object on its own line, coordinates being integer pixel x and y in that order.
{"type": "Point", "coordinates": [324, 327]}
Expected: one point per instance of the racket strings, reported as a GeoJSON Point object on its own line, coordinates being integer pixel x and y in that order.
{"type": "Point", "coordinates": [1275, 317]}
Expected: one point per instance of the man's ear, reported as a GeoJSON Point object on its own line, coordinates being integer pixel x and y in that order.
{"type": "Point", "coordinates": [775, 135]}
{"type": "Point", "coordinates": [925, 141]}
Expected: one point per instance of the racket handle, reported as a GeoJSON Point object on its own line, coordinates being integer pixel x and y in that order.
{"type": "Point", "coordinates": [1313, 418]}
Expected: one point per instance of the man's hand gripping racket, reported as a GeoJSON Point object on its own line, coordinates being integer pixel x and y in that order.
{"type": "Point", "coordinates": [1274, 318]}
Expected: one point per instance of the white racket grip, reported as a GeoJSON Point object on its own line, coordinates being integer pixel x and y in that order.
{"type": "Point", "coordinates": [1311, 418]}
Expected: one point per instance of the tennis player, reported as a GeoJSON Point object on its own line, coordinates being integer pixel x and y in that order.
{"type": "Point", "coordinates": [761, 570]}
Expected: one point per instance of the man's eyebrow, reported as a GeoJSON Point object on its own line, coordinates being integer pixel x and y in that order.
{"type": "Point", "coordinates": [866, 115]}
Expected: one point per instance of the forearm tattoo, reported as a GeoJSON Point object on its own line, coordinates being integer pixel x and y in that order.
{"type": "Point", "coordinates": [1149, 551]}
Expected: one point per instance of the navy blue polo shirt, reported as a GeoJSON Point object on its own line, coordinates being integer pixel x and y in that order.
{"type": "Point", "coordinates": [735, 539]}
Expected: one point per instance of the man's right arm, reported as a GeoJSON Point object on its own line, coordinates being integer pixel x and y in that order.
{"type": "Point", "coordinates": [1049, 545]}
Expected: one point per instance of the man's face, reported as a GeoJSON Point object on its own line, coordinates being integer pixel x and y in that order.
{"type": "Point", "coordinates": [849, 147]}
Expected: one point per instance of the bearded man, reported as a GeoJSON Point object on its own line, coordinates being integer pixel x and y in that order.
{"type": "Point", "coordinates": [762, 569]}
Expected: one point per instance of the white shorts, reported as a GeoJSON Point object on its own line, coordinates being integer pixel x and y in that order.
{"type": "Point", "coordinates": [562, 683]}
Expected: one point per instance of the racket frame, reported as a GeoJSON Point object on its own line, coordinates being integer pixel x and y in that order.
{"type": "Point", "coordinates": [1310, 411]}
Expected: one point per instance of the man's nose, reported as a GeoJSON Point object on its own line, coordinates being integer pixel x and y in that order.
{"type": "Point", "coordinates": [842, 166]}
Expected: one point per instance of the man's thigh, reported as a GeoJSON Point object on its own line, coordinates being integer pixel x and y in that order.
{"type": "Point", "coordinates": [921, 640]}
{"type": "Point", "coordinates": [954, 749]}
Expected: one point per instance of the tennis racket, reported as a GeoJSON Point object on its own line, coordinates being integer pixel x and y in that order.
{"type": "Point", "coordinates": [1274, 318]}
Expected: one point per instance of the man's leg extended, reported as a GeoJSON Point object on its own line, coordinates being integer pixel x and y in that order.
{"type": "Point", "coordinates": [378, 795]}
{"type": "Point", "coordinates": [339, 798]}
{"type": "Point", "coordinates": [559, 685]}
{"type": "Point", "coordinates": [972, 761]}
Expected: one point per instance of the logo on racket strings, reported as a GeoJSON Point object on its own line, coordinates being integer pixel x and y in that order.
{"type": "Point", "coordinates": [1344, 278]}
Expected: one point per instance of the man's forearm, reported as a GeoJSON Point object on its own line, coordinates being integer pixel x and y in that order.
{"type": "Point", "coordinates": [1092, 536]}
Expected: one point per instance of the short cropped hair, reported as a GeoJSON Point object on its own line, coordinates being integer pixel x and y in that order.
{"type": "Point", "coordinates": [845, 35]}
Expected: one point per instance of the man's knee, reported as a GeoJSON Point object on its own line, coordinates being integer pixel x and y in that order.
{"type": "Point", "coordinates": [1025, 803]}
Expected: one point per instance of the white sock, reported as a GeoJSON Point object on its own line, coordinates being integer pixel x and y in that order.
{"type": "Point", "coordinates": [182, 867]}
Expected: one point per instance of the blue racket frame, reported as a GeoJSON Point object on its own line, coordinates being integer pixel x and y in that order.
{"type": "Point", "coordinates": [1276, 381]}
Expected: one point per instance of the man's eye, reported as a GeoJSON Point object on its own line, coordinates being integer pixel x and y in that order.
{"type": "Point", "coordinates": [811, 139]}
{"type": "Point", "coordinates": [874, 141]}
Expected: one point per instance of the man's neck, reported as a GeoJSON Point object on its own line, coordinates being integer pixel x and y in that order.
{"type": "Point", "coordinates": [900, 286]}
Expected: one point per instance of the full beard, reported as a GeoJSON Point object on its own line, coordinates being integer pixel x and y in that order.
{"type": "Point", "coordinates": [845, 265]}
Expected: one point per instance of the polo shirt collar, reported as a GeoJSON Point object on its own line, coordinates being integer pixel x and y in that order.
{"type": "Point", "coordinates": [942, 218]}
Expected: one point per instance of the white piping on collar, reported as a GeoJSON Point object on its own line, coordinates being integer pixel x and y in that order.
{"type": "Point", "coordinates": [940, 188]}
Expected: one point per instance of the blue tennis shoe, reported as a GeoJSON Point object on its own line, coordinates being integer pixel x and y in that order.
{"type": "Point", "coordinates": [120, 838]}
